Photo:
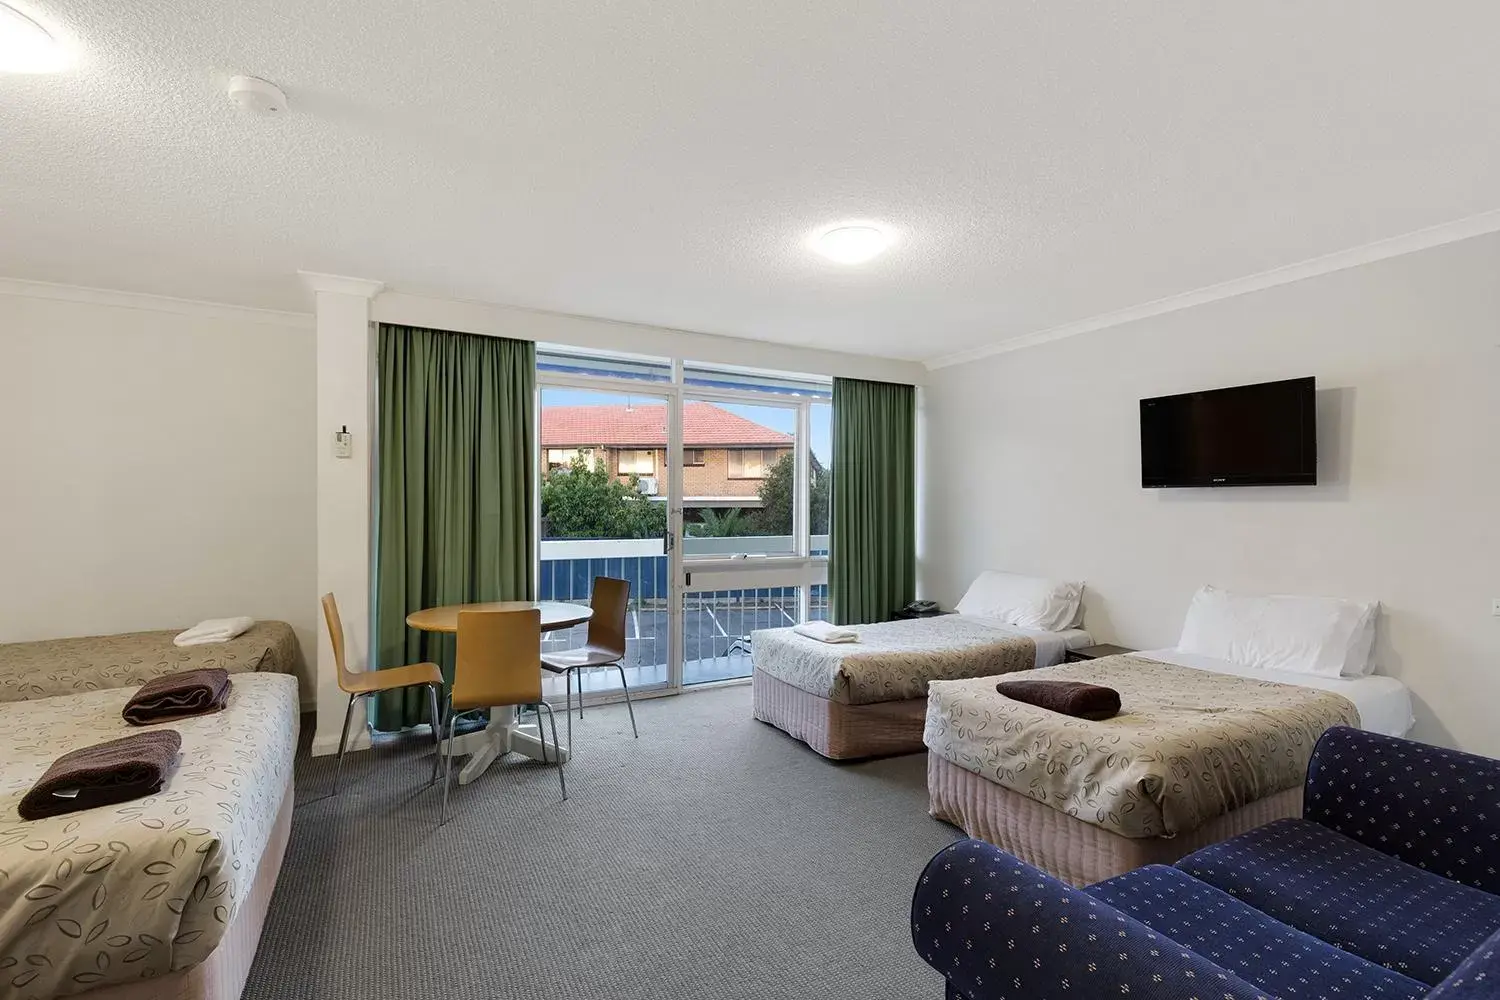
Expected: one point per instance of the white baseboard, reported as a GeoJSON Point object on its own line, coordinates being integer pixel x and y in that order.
{"type": "Point", "coordinates": [328, 745]}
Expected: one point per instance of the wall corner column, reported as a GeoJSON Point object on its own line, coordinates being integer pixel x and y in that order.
{"type": "Point", "coordinates": [346, 399]}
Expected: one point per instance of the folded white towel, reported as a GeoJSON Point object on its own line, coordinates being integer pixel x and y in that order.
{"type": "Point", "coordinates": [824, 632]}
{"type": "Point", "coordinates": [213, 630]}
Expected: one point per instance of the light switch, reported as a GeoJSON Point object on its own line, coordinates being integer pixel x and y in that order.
{"type": "Point", "coordinates": [1495, 607]}
{"type": "Point", "coordinates": [343, 443]}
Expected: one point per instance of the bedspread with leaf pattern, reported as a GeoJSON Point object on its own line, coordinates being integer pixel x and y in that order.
{"type": "Point", "coordinates": [52, 667]}
{"type": "Point", "coordinates": [132, 891]}
{"type": "Point", "coordinates": [1187, 746]}
{"type": "Point", "coordinates": [892, 661]}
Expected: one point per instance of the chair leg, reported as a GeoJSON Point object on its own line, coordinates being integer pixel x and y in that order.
{"type": "Point", "coordinates": [561, 778]}
{"type": "Point", "coordinates": [628, 705]}
{"type": "Point", "coordinates": [437, 731]}
{"type": "Point", "coordinates": [579, 672]}
{"type": "Point", "coordinates": [567, 703]}
{"type": "Point", "coordinates": [541, 734]}
{"type": "Point", "coordinates": [452, 718]}
{"type": "Point", "coordinates": [338, 768]}
{"type": "Point", "coordinates": [571, 672]}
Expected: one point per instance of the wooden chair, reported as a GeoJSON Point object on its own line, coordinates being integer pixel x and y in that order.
{"type": "Point", "coordinates": [359, 684]}
{"type": "Point", "coordinates": [498, 665]}
{"type": "Point", "coordinates": [604, 646]}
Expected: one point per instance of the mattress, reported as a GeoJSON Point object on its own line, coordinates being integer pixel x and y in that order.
{"type": "Point", "coordinates": [147, 887]}
{"type": "Point", "coordinates": [1187, 746]}
{"type": "Point", "coordinates": [90, 663]}
{"type": "Point", "coordinates": [894, 661]}
{"type": "Point", "coordinates": [1384, 703]}
{"type": "Point", "coordinates": [1077, 852]}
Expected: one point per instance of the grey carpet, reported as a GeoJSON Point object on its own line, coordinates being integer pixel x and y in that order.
{"type": "Point", "coordinates": [714, 857]}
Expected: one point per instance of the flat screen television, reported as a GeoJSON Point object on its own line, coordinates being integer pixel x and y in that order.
{"type": "Point", "coordinates": [1248, 435]}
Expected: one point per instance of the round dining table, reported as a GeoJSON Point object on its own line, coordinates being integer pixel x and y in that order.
{"type": "Point", "coordinates": [504, 734]}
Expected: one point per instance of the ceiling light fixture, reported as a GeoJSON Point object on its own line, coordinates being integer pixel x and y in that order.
{"type": "Point", "coordinates": [27, 47]}
{"type": "Point", "coordinates": [851, 242]}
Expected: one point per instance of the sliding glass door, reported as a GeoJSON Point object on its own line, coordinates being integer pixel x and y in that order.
{"type": "Point", "coordinates": [604, 512]}
{"type": "Point", "coordinates": [706, 488]}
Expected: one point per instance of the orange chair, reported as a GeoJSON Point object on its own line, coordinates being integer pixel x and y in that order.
{"type": "Point", "coordinates": [498, 664]}
{"type": "Point", "coordinates": [359, 684]}
{"type": "Point", "coordinates": [605, 645]}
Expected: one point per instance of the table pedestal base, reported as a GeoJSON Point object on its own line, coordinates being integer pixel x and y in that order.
{"type": "Point", "coordinates": [502, 736]}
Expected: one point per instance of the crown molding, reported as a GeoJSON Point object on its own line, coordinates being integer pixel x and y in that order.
{"type": "Point", "coordinates": [339, 284]}
{"type": "Point", "coordinates": [1396, 246]}
{"type": "Point", "coordinates": [158, 303]}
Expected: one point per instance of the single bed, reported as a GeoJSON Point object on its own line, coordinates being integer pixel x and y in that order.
{"type": "Point", "coordinates": [160, 897]}
{"type": "Point", "coordinates": [1202, 749]}
{"type": "Point", "coordinates": [49, 667]}
{"type": "Point", "coordinates": [869, 698]}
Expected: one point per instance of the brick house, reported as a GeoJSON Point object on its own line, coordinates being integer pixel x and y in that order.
{"type": "Point", "coordinates": [725, 456]}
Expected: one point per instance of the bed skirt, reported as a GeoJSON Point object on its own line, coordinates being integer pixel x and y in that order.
{"type": "Point", "coordinates": [836, 730]}
{"type": "Point", "coordinates": [223, 974]}
{"type": "Point", "coordinates": [1079, 853]}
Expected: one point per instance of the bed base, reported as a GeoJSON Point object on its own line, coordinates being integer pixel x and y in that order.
{"type": "Point", "coordinates": [836, 730]}
{"type": "Point", "coordinates": [1079, 853]}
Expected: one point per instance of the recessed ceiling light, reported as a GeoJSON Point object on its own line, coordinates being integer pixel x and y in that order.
{"type": "Point", "coordinates": [851, 242]}
{"type": "Point", "coordinates": [27, 47]}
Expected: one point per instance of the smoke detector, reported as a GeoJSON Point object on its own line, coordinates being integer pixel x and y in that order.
{"type": "Point", "coordinates": [261, 97]}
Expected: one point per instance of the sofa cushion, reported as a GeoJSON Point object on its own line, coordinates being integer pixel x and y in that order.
{"type": "Point", "coordinates": [1351, 896]}
{"type": "Point", "coordinates": [1282, 960]}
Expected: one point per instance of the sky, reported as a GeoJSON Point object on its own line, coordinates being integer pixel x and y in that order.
{"type": "Point", "coordinates": [774, 417]}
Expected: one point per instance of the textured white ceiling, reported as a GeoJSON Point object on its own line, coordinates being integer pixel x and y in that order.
{"type": "Point", "coordinates": [662, 161]}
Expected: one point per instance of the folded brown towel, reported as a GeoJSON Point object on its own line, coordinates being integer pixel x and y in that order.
{"type": "Point", "coordinates": [178, 696]}
{"type": "Point", "coordinates": [1075, 698]}
{"type": "Point", "coordinates": [101, 775]}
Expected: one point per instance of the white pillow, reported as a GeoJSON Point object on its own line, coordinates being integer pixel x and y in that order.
{"type": "Point", "coordinates": [1023, 601]}
{"type": "Point", "coordinates": [1308, 635]}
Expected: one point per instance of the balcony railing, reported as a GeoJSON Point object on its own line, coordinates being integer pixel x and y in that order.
{"type": "Point", "coordinates": [716, 624]}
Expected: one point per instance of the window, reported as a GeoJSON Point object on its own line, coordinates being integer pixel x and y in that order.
{"type": "Point", "coordinates": [694, 456]}
{"type": "Point", "coordinates": [750, 463]}
{"type": "Point", "coordinates": [637, 462]}
{"type": "Point", "coordinates": [562, 458]}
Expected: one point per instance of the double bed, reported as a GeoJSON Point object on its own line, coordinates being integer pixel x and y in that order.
{"type": "Point", "coordinates": [1203, 748]}
{"type": "Point", "coordinates": [869, 698]}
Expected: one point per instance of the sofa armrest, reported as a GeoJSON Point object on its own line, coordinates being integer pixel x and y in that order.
{"type": "Point", "coordinates": [1476, 978]}
{"type": "Point", "coordinates": [1424, 805]}
{"type": "Point", "coordinates": [997, 928]}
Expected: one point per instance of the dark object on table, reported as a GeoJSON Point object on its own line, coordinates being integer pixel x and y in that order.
{"type": "Point", "coordinates": [103, 774]}
{"type": "Point", "coordinates": [920, 609]}
{"type": "Point", "coordinates": [1075, 698]}
{"type": "Point", "coordinates": [178, 696]}
{"type": "Point", "coordinates": [1098, 652]}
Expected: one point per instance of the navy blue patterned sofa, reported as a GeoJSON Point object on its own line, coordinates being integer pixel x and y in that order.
{"type": "Point", "coordinates": [1388, 888]}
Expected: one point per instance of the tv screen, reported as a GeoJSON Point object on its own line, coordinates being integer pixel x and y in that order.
{"type": "Point", "coordinates": [1248, 435]}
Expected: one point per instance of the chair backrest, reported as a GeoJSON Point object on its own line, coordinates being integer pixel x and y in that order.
{"type": "Point", "coordinates": [336, 637]}
{"type": "Point", "coordinates": [611, 602]}
{"type": "Point", "coordinates": [499, 659]}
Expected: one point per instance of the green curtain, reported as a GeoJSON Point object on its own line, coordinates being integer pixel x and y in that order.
{"type": "Point", "coordinates": [455, 499]}
{"type": "Point", "coordinates": [872, 564]}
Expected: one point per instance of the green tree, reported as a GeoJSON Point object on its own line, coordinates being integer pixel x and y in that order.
{"type": "Point", "coordinates": [585, 501]}
{"type": "Point", "coordinates": [728, 523]}
{"type": "Point", "coordinates": [778, 489]}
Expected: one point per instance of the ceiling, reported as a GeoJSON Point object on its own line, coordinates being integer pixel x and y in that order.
{"type": "Point", "coordinates": [663, 162]}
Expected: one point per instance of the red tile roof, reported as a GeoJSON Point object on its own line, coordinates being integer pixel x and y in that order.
{"type": "Point", "coordinates": [644, 426]}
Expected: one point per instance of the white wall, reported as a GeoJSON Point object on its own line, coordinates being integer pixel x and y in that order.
{"type": "Point", "coordinates": [1033, 465]}
{"type": "Point", "coordinates": [157, 465]}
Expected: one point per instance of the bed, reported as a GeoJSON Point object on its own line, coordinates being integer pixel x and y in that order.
{"type": "Point", "coordinates": [51, 667]}
{"type": "Point", "coordinates": [161, 897]}
{"type": "Point", "coordinates": [869, 699]}
{"type": "Point", "coordinates": [1203, 749]}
